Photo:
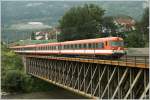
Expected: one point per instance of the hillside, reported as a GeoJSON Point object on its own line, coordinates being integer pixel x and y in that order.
{"type": "Point", "coordinates": [16, 15]}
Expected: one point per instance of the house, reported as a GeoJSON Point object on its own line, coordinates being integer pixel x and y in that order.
{"type": "Point", "coordinates": [47, 35]}
{"type": "Point", "coordinates": [41, 35]}
{"type": "Point", "coordinates": [124, 24]}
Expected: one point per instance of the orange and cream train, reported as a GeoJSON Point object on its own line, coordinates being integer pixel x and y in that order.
{"type": "Point", "coordinates": [109, 46]}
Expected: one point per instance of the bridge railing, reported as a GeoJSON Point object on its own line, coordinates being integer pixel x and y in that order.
{"type": "Point", "coordinates": [136, 59]}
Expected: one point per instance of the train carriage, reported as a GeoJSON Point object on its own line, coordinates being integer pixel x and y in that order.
{"type": "Point", "coordinates": [109, 46]}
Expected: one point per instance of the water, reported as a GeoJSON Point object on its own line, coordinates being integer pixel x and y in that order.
{"type": "Point", "coordinates": [55, 93]}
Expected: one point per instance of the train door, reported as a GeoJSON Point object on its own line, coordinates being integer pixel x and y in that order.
{"type": "Point", "coordinates": [106, 44]}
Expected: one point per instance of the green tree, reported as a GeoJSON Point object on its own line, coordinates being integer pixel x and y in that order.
{"type": "Point", "coordinates": [134, 40]}
{"type": "Point", "coordinates": [33, 36]}
{"type": "Point", "coordinates": [81, 22]}
{"type": "Point", "coordinates": [145, 22]}
{"type": "Point", "coordinates": [13, 78]}
{"type": "Point", "coordinates": [142, 26]}
{"type": "Point", "coordinates": [109, 24]}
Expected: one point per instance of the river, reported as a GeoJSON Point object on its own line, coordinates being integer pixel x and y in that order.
{"type": "Point", "coordinates": [55, 93]}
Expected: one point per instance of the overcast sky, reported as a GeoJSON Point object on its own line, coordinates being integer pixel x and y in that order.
{"type": "Point", "coordinates": [74, 0]}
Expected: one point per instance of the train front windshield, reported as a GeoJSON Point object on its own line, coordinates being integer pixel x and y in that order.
{"type": "Point", "coordinates": [117, 43]}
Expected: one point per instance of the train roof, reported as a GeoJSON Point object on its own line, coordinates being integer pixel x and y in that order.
{"type": "Point", "coordinates": [73, 42]}
{"type": "Point", "coordinates": [91, 40]}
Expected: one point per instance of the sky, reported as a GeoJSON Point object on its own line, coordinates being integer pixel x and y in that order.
{"type": "Point", "coordinates": [74, 0]}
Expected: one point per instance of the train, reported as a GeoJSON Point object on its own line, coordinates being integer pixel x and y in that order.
{"type": "Point", "coordinates": [98, 47]}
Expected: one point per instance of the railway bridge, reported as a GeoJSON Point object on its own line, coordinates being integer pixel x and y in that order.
{"type": "Point", "coordinates": [126, 78]}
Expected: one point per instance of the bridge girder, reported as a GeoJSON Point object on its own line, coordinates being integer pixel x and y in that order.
{"type": "Point", "coordinates": [90, 79]}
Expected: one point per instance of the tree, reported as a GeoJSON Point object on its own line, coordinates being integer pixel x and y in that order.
{"type": "Point", "coordinates": [81, 22]}
{"type": "Point", "coordinates": [145, 25]}
{"type": "Point", "coordinates": [109, 24]}
{"type": "Point", "coordinates": [134, 40]}
{"type": "Point", "coordinates": [142, 26]}
{"type": "Point", "coordinates": [33, 36]}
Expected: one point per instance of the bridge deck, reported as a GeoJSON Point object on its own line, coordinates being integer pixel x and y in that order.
{"type": "Point", "coordinates": [125, 63]}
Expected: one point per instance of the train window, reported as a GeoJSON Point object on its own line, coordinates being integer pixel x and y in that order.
{"type": "Point", "coordinates": [100, 45]}
{"type": "Point", "coordinates": [80, 46]}
{"type": "Point", "coordinates": [76, 46]}
{"type": "Point", "coordinates": [67, 46]}
{"type": "Point", "coordinates": [89, 45]}
{"type": "Point", "coordinates": [96, 45]}
{"type": "Point", "coordinates": [64, 46]}
{"type": "Point", "coordinates": [93, 45]}
{"type": "Point", "coordinates": [71, 46]}
{"type": "Point", "coordinates": [84, 46]}
{"type": "Point", "coordinates": [58, 47]}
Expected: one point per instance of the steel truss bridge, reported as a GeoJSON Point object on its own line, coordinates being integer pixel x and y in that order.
{"type": "Point", "coordinates": [127, 78]}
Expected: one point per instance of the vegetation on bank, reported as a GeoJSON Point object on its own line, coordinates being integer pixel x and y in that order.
{"type": "Point", "coordinates": [13, 76]}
